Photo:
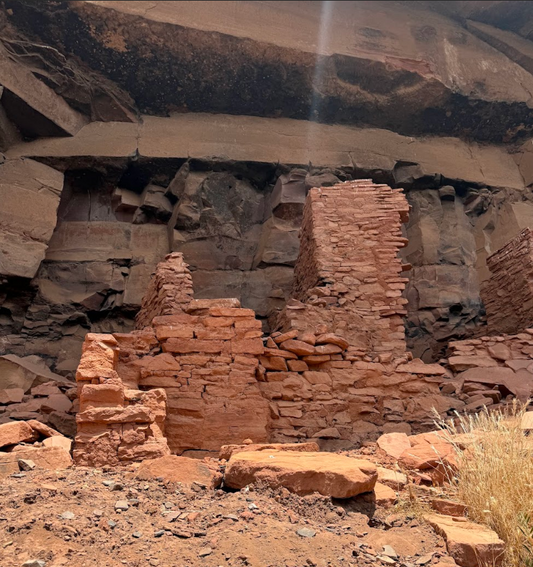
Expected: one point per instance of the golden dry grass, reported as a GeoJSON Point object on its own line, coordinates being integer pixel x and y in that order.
{"type": "Point", "coordinates": [495, 477]}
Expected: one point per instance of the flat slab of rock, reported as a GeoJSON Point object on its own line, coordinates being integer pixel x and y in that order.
{"type": "Point", "coordinates": [471, 545]}
{"type": "Point", "coordinates": [226, 451]}
{"type": "Point", "coordinates": [303, 473]}
{"type": "Point", "coordinates": [394, 444]}
{"type": "Point", "coordinates": [179, 469]}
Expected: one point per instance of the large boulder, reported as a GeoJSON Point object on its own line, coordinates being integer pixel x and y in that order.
{"type": "Point", "coordinates": [394, 444]}
{"type": "Point", "coordinates": [303, 473]}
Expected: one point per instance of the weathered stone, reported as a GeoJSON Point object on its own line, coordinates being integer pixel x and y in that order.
{"type": "Point", "coordinates": [179, 469]}
{"type": "Point", "coordinates": [425, 455]}
{"type": "Point", "coordinates": [16, 432]}
{"type": "Point", "coordinates": [226, 451]}
{"type": "Point", "coordinates": [303, 473]}
{"type": "Point", "coordinates": [394, 444]}
{"type": "Point", "coordinates": [49, 458]}
{"type": "Point", "coordinates": [469, 544]}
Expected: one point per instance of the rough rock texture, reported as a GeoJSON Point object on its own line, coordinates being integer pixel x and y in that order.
{"type": "Point", "coordinates": [179, 469]}
{"type": "Point", "coordinates": [30, 193]}
{"type": "Point", "coordinates": [489, 369]}
{"type": "Point", "coordinates": [469, 544]}
{"type": "Point", "coordinates": [508, 293]}
{"type": "Point", "coordinates": [329, 474]}
{"type": "Point", "coordinates": [340, 358]}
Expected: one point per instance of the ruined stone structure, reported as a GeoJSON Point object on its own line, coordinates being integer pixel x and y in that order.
{"type": "Point", "coordinates": [508, 293]}
{"type": "Point", "coordinates": [337, 371]}
{"type": "Point", "coordinates": [102, 174]}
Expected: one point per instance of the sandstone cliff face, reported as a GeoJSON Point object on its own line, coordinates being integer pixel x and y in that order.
{"type": "Point", "coordinates": [130, 130]}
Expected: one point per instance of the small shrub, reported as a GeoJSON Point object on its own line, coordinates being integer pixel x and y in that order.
{"type": "Point", "coordinates": [495, 477]}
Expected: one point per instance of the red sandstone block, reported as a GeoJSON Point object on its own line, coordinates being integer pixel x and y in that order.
{"type": "Point", "coordinates": [292, 334]}
{"type": "Point", "coordinates": [298, 347]}
{"type": "Point", "coordinates": [248, 333]}
{"type": "Point", "coordinates": [297, 365]}
{"type": "Point", "coordinates": [280, 376]}
{"type": "Point", "coordinates": [231, 312]}
{"type": "Point", "coordinates": [174, 332]}
{"type": "Point", "coordinates": [317, 377]}
{"type": "Point", "coordinates": [178, 319]}
{"type": "Point", "coordinates": [101, 395]}
{"type": "Point", "coordinates": [327, 349]}
{"type": "Point", "coordinates": [222, 333]}
{"type": "Point", "coordinates": [280, 352]}
{"type": "Point", "coordinates": [248, 323]}
{"type": "Point", "coordinates": [247, 360]}
{"type": "Point", "coordinates": [195, 360]}
{"type": "Point", "coordinates": [247, 346]}
{"type": "Point", "coordinates": [317, 358]}
{"type": "Point", "coordinates": [223, 302]}
{"type": "Point", "coordinates": [211, 322]}
{"type": "Point", "coordinates": [307, 338]}
{"type": "Point", "coordinates": [184, 346]}
{"type": "Point", "coordinates": [274, 363]}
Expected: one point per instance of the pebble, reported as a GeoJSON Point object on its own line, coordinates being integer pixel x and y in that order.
{"type": "Point", "coordinates": [34, 563]}
{"type": "Point", "coordinates": [159, 533]}
{"type": "Point", "coordinates": [387, 560]}
{"type": "Point", "coordinates": [252, 506]}
{"type": "Point", "coordinates": [26, 464]}
{"type": "Point", "coordinates": [231, 517]}
{"type": "Point", "coordinates": [67, 515]}
{"type": "Point", "coordinates": [98, 513]}
{"type": "Point", "coordinates": [108, 482]}
{"type": "Point", "coordinates": [389, 551]}
{"type": "Point", "coordinates": [18, 475]}
{"type": "Point", "coordinates": [205, 552]}
{"type": "Point", "coordinates": [111, 524]}
{"type": "Point", "coordinates": [121, 505]}
{"type": "Point", "coordinates": [115, 486]}
{"type": "Point", "coordinates": [306, 532]}
{"type": "Point", "coordinates": [137, 534]}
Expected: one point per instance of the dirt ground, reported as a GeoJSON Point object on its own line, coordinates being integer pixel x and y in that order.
{"type": "Point", "coordinates": [69, 518]}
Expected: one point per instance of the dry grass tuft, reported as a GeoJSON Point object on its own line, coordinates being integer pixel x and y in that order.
{"type": "Point", "coordinates": [495, 477]}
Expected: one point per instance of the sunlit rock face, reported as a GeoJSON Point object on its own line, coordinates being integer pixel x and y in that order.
{"type": "Point", "coordinates": [133, 129]}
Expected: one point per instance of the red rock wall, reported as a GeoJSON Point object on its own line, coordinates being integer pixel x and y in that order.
{"type": "Point", "coordinates": [508, 293]}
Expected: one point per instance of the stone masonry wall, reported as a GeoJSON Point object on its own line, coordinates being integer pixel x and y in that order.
{"type": "Point", "coordinates": [508, 293]}
{"type": "Point", "coordinates": [349, 267]}
{"type": "Point", "coordinates": [338, 373]}
{"type": "Point", "coordinates": [169, 291]}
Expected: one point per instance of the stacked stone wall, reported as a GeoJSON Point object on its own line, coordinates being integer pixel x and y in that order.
{"type": "Point", "coordinates": [338, 371]}
{"type": "Point", "coordinates": [508, 293]}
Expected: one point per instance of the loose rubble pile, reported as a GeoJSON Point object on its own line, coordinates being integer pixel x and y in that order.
{"type": "Point", "coordinates": [26, 445]}
{"type": "Point", "coordinates": [491, 370]}
{"type": "Point", "coordinates": [210, 512]}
